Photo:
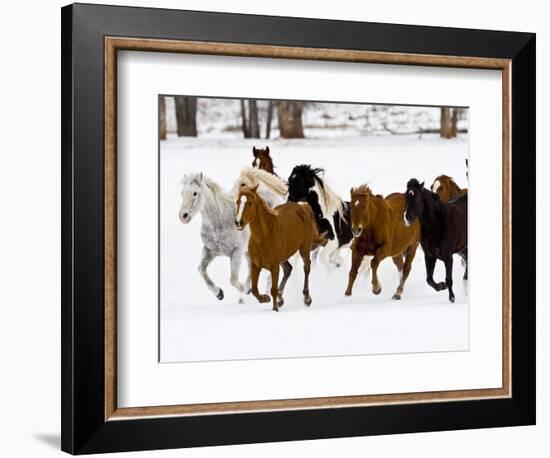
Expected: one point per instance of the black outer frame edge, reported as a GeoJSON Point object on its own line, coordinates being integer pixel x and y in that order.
{"type": "Point", "coordinates": [67, 413]}
{"type": "Point", "coordinates": [524, 215]}
{"type": "Point", "coordinates": [83, 427]}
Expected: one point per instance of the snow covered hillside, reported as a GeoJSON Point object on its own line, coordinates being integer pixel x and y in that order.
{"type": "Point", "coordinates": [195, 326]}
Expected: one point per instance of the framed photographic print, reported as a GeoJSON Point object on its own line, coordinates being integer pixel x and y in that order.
{"type": "Point", "coordinates": [281, 228]}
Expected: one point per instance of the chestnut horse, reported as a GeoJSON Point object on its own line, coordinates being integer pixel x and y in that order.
{"type": "Point", "coordinates": [379, 231]}
{"type": "Point", "coordinates": [275, 235]}
{"type": "Point", "coordinates": [262, 160]}
{"type": "Point", "coordinates": [446, 188]}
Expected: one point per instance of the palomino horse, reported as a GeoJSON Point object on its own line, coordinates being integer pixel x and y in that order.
{"type": "Point", "coordinates": [271, 188]}
{"type": "Point", "coordinates": [331, 212]}
{"type": "Point", "coordinates": [275, 235]}
{"type": "Point", "coordinates": [218, 233]}
{"type": "Point", "coordinates": [446, 188]}
{"type": "Point", "coordinates": [444, 228]}
{"type": "Point", "coordinates": [262, 160]}
{"type": "Point", "coordinates": [379, 231]}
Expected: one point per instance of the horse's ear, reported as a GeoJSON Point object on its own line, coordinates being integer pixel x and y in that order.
{"type": "Point", "coordinates": [255, 188]}
{"type": "Point", "coordinates": [267, 150]}
{"type": "Point", "coordinates": [200, 177]}
{"type": "Point", "coordinates": [254, 151]}
{"type": "Point", "coordinates": [422, 185]}
{"type": "Point", "coordinates": [351, 190]}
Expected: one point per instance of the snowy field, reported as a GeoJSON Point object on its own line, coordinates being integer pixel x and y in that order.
{"type": "Point", "coordinates": [195, 326]}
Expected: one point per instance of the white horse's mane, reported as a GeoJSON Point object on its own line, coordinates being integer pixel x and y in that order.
{"type": "Point", "coordinates": [257, 176]}
{"type": "Point", "coordinates": [329, 200]}
{"type": "Point", "coordinates": [218, 193]}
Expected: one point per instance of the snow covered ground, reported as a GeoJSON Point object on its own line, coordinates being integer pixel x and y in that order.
{"type": "Point", "coordinates": [195, 326]}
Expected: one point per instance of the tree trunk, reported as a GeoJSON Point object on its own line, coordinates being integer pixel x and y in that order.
{"type": "Point", "coordinates": [454, 120]}
{"type": "Point", "coordinates": [253, 125]}
{"type": "Point", "coordinates": [186, 116]}
{"type": "Point", "coordinates": [289, 115]}
{"type": "Point", "coordinates": [244, 120]}
{"type": "Point", "coordinates": [162, 118]}
{"type": "Point", "coordinates": [269, 119]}
{"type": "Point", "coordinates": [446, 130]}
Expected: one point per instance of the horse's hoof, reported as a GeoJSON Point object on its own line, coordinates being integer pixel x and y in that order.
{"type": "Point", "coordinates": [307, 301]}
{"type": "Point", "coordinates": [264, 298]}
{"type": "Point", "coordinates": [338, 265]}
{"type": "Point", "coordinates": [347, 293]}
{"type": "Point", "coordinates": [396, 297]}
{"type": "Point", "coordinates": [275, 308]}
{"type": "Point", "coordinates": [220, 294]}
{"type": "Point", "coordinates": [377, 291]}
{"type": "Point", "coordinates": [241, 300]}
{"type": "Point", "coordinates": [280, 301]}
{"type": "Point", "coordinates": [441, 286]}
{"type": "Point", "coordinates": [452, 299]}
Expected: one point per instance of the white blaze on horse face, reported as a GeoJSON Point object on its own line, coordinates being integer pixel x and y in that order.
{"type": "Point", "coordinates": [436, 186]}
{"type": "Point", "coordinates": [240, 209]}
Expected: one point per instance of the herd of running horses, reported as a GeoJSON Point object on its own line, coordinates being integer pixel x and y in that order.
{"type": "Point", "coordinates": [266, 221]}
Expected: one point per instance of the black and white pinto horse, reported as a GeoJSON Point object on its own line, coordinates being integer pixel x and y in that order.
{"type": "Point", "coordinates": [332, 214]}
{"type": "Point", "coordinates": [443, 230]}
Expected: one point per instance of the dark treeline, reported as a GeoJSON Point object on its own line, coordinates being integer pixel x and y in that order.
{"type": "Point", "coordinates": [289, 118]}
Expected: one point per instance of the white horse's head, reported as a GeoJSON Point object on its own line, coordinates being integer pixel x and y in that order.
{"type": "Point", "coordinates": [192, 196]}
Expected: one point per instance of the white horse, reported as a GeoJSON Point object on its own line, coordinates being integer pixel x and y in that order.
{"type": "Point", "coordinates": [271, 188]}
{"type": "Point", "coordinates": [218, 232]}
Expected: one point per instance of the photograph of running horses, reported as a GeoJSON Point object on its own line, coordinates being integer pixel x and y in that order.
{"type": "Point", "coordinates": [292, 229]}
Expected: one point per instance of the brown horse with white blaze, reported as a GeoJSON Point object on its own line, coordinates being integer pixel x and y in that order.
{"type": "Point", "coordinates": [379, 231]}
{"type": "Point", "coordinates": [276, 234]}
{"type": "Point", "coordinates": [262, 160]}
{"type": "Point", "coordinates": [446, 188]}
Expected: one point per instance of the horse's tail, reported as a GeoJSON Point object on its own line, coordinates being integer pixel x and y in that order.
{"type": "Point", "coordinates": [319, 240]}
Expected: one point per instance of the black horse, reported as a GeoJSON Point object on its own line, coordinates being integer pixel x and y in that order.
{"type": "Point", "coordinates": [332, 214]}
{"type": "Point", "coordinates": [443, 230]}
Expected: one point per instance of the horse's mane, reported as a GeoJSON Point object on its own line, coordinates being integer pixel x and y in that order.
{"type": "Point", "coordinates": [363, 189]}
{"type": "Point", "coordinates": [261, 201]}
{"type": "Point", "coordinates": [218, 193]}
{"type": "Point", "coordinates": [273, 182]}
{"type": "Point", "coordinates": [329, 200]}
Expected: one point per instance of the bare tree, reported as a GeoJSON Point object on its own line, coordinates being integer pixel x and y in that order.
{"type": "Point", "coordinates": [269, 119]}
{"type": "Point", "coordinates": [244, 121]}
{"type": "Point", "coordinates": [162, 118]}
{"type": "Point", "coordinates": [289, 115]}
{"type": "Point", "coordinates": [249, 119]}
{"type": "Point", "coordinates": [254, 127]}
{"type": "Point", "coordinates": [186, 116]}
{"type": "Point", "coordinates": [446, 124]}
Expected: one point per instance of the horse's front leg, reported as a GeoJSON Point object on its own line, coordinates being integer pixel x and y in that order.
{"type": "Point", "coordinates": [374, 263]}
{"type": "Point", "coordinates": [235, 261]}
{"type": "Point", "coordinates": [277, 299]}
{"type": "Point", "coordinates": [464, 255]}
{"type": "Point", "coordinates": [254, 275]}
{"type": "Point", "coordinates": [406, 270]}
{"type": "Point", "coordinates": [356, 258]}
{"type": "Point", "coordinates": [430, 266]}
{"type": "Point", "coordinates": [206, 259]}
{"type": "Point", "coordinates": [449, 276]}
{"type": "Point", "coordinates": [287, 270]}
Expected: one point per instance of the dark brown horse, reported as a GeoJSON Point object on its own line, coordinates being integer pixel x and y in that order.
{"type": "Point", "coordinates": [446, 188]}
{"type": "Point", "coordinates": [444, 227]}
{"type": "Point", "coordinates": [275, 235]}
{"type": "Point", "coordinates": [379, 231]}
{"type": "Point", "coordinates": [262, 160]}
